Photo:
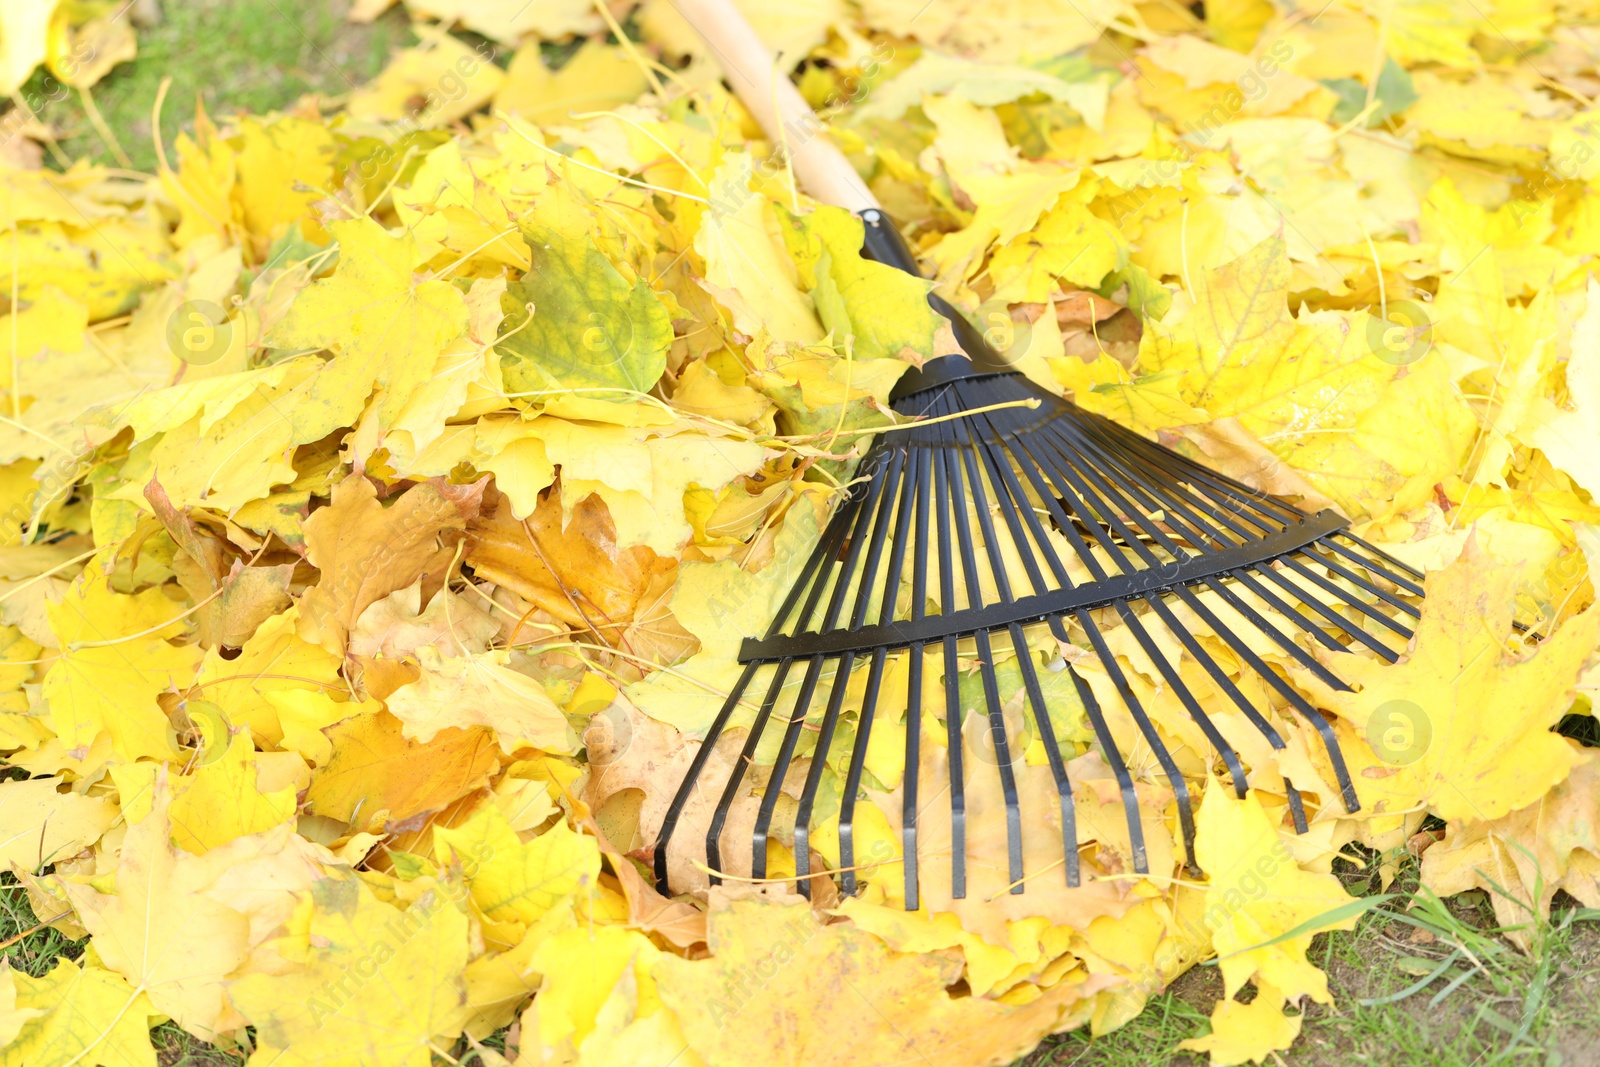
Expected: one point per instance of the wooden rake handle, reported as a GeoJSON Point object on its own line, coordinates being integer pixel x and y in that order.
{"type": "Point", "coordinates": [766, 92]}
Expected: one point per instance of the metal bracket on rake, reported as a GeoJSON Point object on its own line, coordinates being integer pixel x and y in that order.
{"type": "Point", "coordinates": [964, 535]}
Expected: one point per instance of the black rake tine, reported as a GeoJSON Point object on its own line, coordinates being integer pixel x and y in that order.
{"type": "Point", "coordinates": [1002, 758]}
{"type": "Point", "coordinates": [858, 762]}
{"type": "Point", "coordinates": [1284, 689]}
{"type": "Point", "coordinates": [1384, 556]}
{"type": "Point", "coordinates": [869, 510]}
{"type": "Point", "coordinates": [760, 837]}
{"type": "Point", "coordinates": [1191, 704]}
{"type": "Point", "coordinates": [1215, 670]}
{"type": "Point", "coordinates": [819, 763]}
{"type": "Point", "coordinates": [1262, 503]}
{"type": "Point", "coordinates": [919, 607]}
{"type": "Point", "coordinates": [1180, 787]}
{"type": "Point", "coordinates": [1297, 806]}
{"type": "Point", "coordinates": [1392, 599]}
{"type": "Point", "coordinates": [1052, 496]}
{"type": "Point", "coordinates": [847, 568]}
{"type": "Point", "coordinates": [958, 795]}
{"type": "Point", "coordinates": [955, 714]}
{"type": "Point", "coordinates": [991, 689]}
{"type": "Point", "coordinates": [1116, 497]}
{"type": "Point", "coordinates": [669, 824]}
{"type": "Point", "coordinates": [1248, 579]}
{"type": "Point", "coordinates": [1005, 485]}
{"type": "Point", "coordinates": [909, 810]}
{"type": "Point", "coordinates": [1278, 604]}
{"type": "Point", "coordinates": [1052, 751]}
{"type": "Point", "coordinates": [980, 506]}
{"type": "Point", "coordinates": [1232, 496]}
{"type": "Point", "coordinates": [952, 680]}
{"type": "Point", "coordinates": [1260, 622]}
{"type": "Point", "coordinates": [886, 502]}
{"type": "Point", "coordinates": [1333, 590]}
{"type": "Point", "coordinates": [1171, 492]}
{"type": "Point", "coordinates": [1059, 464]}
{"type": "Point", "coordinates": [873, 512]}
{"type": "Point", "coordinates": [1113, 757]}
{"type": "Point", "coordinates": [1083, 476]}
{"type": "Point", "coordinates": [907, 464]}
{"type": "Point", "coordinates": [814, 575]}
{"type": "Point", "coordinates": [730, 792]}
{"type": "Point", "coordinates": [1378, 567]}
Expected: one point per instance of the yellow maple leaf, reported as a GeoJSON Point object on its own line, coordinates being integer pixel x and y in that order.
{"type": "Point", "coordinates": [283, 166]}
{"type": "Point", "coordinates": [1010, 194]}
{"type": "Point", "coordinates": [275, 660]}
{"type": "Point", "coordinates": [115, 661]}
{"type": "Point", "coordinates": [434, 84]}
{"type": "Point", "coordinates": [596, 78]}
{"type": "Point", "coordinates": [44, 826]}
{"type": "Point", "coordinates": [581, 968]}
{"type": "Point", "coordinates": [12, 1018]}
{"type": "Point", "coordinates": [770, 958]}
{"type": "Point", "coordinates": [376, 775]}
{"type": "Point", "coordinates": [385, 327]}
{"type": "Point", "coordinates": [1247, 1033]}
{"type": "Point", "coordinates": [157, 930]}
{"type": "Point", "coordinates": [366, 551]}
{"type": "Point", "coordinates": [1257, 894]}
{"type": "Point", "coordinates": [593, 328]}
{"type": "Point", "coordinates": [1526, 856]}
{"type": "Point", "coordinates": [375, 984]}
{"type": "Point", "coordinates": [1310, 388]}
{"type": "Point", "coordinates": [224, 800]}
{"type": "Point", "coordinates": [85, 1015]}
{"type": "Point", "coordinates": [1462, 724]}
{"type": "Point", "coordinates": [1570, 439]}
{"type": "Point", "coordinates": [746, 268]}
{"type": "Point", "coordinates": [515, 882]}
{"type": "Point", "coordinates": [24, 37]}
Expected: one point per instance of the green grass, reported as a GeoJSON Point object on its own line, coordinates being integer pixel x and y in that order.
{"type": "Point", "coordinates": [1490, 1005]}
{"type": "Point", "coordinates": [29, 947]}
{"type": "Point", "coordinates": [234, 55]}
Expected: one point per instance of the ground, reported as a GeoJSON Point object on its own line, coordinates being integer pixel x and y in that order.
{"type": "Point", "coordinates": [227, 55]}
{"type": "Point", "coordinates": [1542, 1008]}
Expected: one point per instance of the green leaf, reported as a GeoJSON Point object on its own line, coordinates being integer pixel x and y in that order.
{"type": "Point", "coordinates": [1148, 298]}
{"type": "Point", "coordinates": [1394, 94]}
{"type": "Point", "coordinates": [591, 328]}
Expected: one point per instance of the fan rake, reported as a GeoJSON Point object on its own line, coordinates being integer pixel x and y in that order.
{"type": "Point", "coordinates": [1015, 517]}
{"type": "Point", "coordinates": [1003, 510]}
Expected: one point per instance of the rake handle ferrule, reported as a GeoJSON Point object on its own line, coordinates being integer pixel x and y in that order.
{"type": "Point", "coordinates": [826, 175]}
{"type": "Point", "coordinates": [972, 354]}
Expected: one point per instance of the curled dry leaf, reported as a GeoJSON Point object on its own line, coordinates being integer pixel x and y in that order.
{"type": "Point", "coordinates": [377, 776]}
{"type": "Point", "coordinates": [572, 569]}
{"type": "Point", "coordinates": [365, 551]}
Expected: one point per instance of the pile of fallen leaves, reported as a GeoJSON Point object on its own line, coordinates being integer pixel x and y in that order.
{"type": "Point", "coordinates": [386, 491]}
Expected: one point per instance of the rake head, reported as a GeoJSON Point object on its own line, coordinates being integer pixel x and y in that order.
{"type": "Point", "coordinates": [975, 539]}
